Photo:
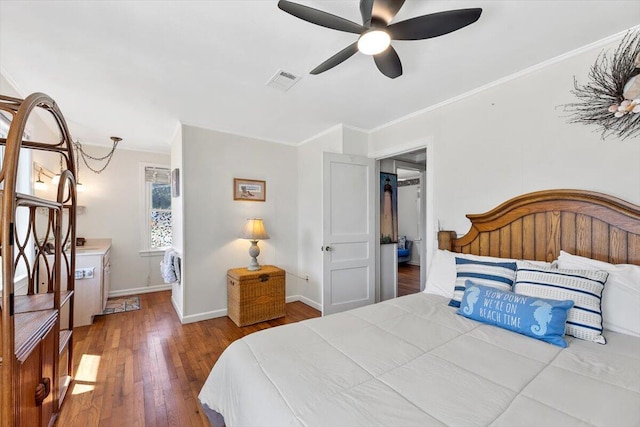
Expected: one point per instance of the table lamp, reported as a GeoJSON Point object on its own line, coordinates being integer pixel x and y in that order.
{"type": "Point", "coordinates": [254, 231]}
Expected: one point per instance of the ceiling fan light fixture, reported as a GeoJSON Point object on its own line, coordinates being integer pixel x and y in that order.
{"type": "Point", "coordinates": [376, 31]}
{"type": "Point", "coordinates": [373, 42]}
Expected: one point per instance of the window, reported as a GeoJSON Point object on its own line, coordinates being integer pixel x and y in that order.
{"type": "Point", "coordinates": [157, 212]}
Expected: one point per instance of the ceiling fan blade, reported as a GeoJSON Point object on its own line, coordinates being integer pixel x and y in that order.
{"type": "Point", "coordinates": [388, 62]}
{"type": "Point", "coordinates": [433, 25]}
{"type": "Point", "coordinates": [366, 7]}
{"type": "Point", "coordinates": [319, 17]}
{"type": "Point", "coordinates": [386, 10]}
{"type": "Point", "coordinates": [336, 59]}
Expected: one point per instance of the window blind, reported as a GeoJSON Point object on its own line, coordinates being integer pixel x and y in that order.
{"type": "Point", "coordinates": [157, 175]}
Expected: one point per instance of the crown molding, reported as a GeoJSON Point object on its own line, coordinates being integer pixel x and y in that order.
{"type": "Point", "coordinates": [534, 68]}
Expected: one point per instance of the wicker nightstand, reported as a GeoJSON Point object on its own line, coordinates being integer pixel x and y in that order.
{"type": "Point", "coordinates": [255, 296]}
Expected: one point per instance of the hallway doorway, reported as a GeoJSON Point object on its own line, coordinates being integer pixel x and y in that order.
{"type": "Point", "coordinates": [410, 211]}
{"type": "Point", "coordinates": [403, 264]}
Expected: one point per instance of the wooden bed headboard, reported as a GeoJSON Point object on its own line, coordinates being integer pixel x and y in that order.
{"type": "Point", "coordinates": [537, 225]}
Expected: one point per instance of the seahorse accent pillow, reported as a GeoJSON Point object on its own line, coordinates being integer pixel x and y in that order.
{"type": "Point", "coordinates": [539, 318]}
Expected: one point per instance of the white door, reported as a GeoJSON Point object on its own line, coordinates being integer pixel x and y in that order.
{"type": "Point", "coordinates": [348, 232]}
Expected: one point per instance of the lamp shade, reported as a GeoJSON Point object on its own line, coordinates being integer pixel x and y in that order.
{"type": "Point", "coordinates": [254, 230]}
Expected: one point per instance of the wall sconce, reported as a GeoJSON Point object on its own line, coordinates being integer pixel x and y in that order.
{"type": "Point", "coordinates": [42, 173]}
{"type": "Point", "coordinates": [39, 184]}
{"type": "Point", "coordinates": [254, 231]}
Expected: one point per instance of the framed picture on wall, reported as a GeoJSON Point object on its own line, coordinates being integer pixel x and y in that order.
{"type": "Point", "coordinates": [175, 183]}
{"type": "Point", "coordinates": [249, 190]}
{"type": "Point", "coordinates": [388, 208]}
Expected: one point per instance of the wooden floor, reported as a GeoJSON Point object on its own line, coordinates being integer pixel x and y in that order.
{"type": "Point", "coordinates": [408, 279]}
{"type": "Point", "coordinates": [143, 368]}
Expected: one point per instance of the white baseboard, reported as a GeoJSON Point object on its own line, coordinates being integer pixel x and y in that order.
{"type": "Point", "coordinates": [176, 308]}
{"type": "Point", "coordinates": [203, 316]}
{"type": "Point", "coordinates": [145, 290]}
{"type": "Point", "coordinates": [199, 317]}
{"type": "Point", "coordinates": [305, 300]}
{"type": "Point", "coordinates": [196, 317]}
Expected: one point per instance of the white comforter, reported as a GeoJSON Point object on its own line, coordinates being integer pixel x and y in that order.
{"type": "Point", "coordinates": [412, 361]}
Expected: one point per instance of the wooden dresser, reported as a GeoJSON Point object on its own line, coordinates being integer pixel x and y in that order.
{"type": "Point", "coordinates": [255, 296]}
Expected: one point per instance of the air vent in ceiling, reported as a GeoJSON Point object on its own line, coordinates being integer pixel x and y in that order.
{"type": "Point", "coordinates": [283, 80]}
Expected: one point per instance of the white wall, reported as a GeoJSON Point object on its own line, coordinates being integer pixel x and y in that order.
{"type": "Point", "coordinates": [177, 215]}
{"type": "Point", "coordinates": [355, 141]}
{"type": "Point", "coordinates": [512, 139]}
{"type": "Point", "coordinates": [213, 220]}
{"type": "Point", "coordinates": [6, 88]}
{"type": "Point", "coordinates": [113, 208]}
{"type": "Point", "coordinates": [309, 158]}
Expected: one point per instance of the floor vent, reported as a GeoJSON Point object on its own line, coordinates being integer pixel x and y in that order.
{"type": "Point", "coordinates": [283, 80]}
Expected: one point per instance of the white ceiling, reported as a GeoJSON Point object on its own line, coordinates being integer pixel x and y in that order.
{"type": "Point", "coordinates": [136, 68]}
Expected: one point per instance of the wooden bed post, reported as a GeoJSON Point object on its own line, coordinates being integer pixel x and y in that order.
{"type": "Point", "coordinates": [445, 239]}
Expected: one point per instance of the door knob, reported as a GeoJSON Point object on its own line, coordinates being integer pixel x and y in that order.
{"type": "Point", "coordinates": [327, 248]}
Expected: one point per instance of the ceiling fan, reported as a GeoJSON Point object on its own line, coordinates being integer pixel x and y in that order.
{"type": "Point", "coordinates": [376, 31]}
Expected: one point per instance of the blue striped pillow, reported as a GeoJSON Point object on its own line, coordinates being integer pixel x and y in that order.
{"type": "Point", "coordinates": [499, 275]}
{"type": "Point", "coordinates": [583, 287]}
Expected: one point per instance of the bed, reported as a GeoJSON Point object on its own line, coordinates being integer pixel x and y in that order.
{"type": "Point", "coordinates": [413, 361]}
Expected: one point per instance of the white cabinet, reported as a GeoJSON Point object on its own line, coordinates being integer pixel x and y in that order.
{"type": "Point", "coordinates": [88, 289]}
{"type": "Point", "coordinates": [92, 281]}
{"type": "Point", "coordinates": [93, 264]}
{"type": "Point", "coordinates": [106, 278]}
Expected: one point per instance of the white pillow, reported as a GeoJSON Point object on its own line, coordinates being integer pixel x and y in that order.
{"type": "Point", "coordinates": [583, 287]}
{"type": "Point", "coordinates": [621, 296]}
{"type": "Point", "coordinates": [441, 276]}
